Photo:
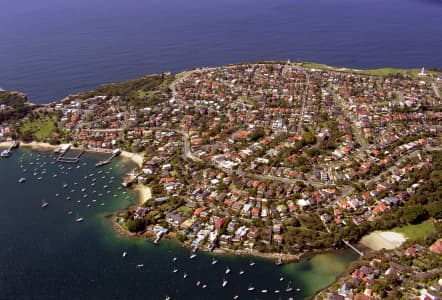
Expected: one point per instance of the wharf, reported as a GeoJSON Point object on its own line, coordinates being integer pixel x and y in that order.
{"type": "Point", "coordinates": [115, 153]}
{"type": "Point", "coordinates": [6, 153]}
{"type": "Point", "coordinates": [353, 248]}
{"type": "Point", "coordinates": [74, 159]}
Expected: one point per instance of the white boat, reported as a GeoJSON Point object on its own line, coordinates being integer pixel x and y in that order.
{"type": "Point", "coordinates": [277, 291]}
{"type": "Point", "coordinates": [192, 256]}
{"type": "Point", "coordinates": [289, 288]}
{"type": "Point", "coordinates": [204, 286]}
{"type": "Point", "coordinates": [174, 259]}
{"type": "Point", "coordinates": [236, 297]}
{"type": "Point", "coordinates": [298, 289]}
{"type": "Point", "coordinates": [175, 270]}
{"type": "Point", "coordinates": [214, 261]}
{"type": "Point", "coordinates": [227, 270]}
{"type": "Point", "coordinates": [44, 204]}
{"type": "Point", "coordinates": [140, 266]}
{"type": "Point", "coordinates": [252, 263]}
{"type": "Point", "coordinates": [5, 153]}
{"type": "Point", "coordinates": [251, 288]}
{"type": "Point", "coordinates": [65, 185]}
{"type": "Point", "coordinates": [281, 278]}
{"type": "Point", "coordinates": [241, 272]}
{"type": "Point", "coordinates": [264, 291]}
{"type": "Point", "coordinates": [224, 282]}
{"type": "Point", "coordinates": [69, 212]}
{"type": "Point", "coordinates": [198, 283]}
{"type": "Point", "coordinates": [124, 254]}
{"type": "Point", "coordinates": [185, 275]}
{"type": "Point", "coordinates": [21, 180]}
{"type": "Point", "coordinates": [79, 219]}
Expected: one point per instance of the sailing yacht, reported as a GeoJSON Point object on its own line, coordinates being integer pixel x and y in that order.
{"type": "Point", "coordinates": [44, 204]}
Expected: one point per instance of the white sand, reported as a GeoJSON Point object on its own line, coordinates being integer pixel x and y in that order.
{"type": "Point", "coordinates": [144, 192]}
{"type": "Point", "coordinates": [137, 158]}
{"type": "Point", "coordinates": [382, 239]}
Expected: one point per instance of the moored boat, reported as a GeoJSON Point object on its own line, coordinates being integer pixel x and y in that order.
{"type": "Point", "coordinates": [44, 204]}
{"type": "Point", "coordinates": [79, 219]}
{"type": "Point", "coordinates": [225, 282]}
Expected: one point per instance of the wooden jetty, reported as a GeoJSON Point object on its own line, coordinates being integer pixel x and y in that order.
{"type": "Point", "coordinates": [6, 153]}
{"type": "Point", "coordinates": [115, 153]}
{"type": "Point", "coordinates": [353, 248]}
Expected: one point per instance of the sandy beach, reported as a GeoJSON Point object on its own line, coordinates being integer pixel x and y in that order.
{"type": "Point", "coordinates": [137, 158]}
{"type": "Point", "coordinates": [378, 240]}
{"type": "Point", "coordinates": [144, 192]}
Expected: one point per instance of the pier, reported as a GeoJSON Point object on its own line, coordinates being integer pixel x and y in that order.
{"type": "Point", "coordinates": [353, 248]}
{"type": "Point", "coordinates": [115, 153]}
{"type": "Point", "coordinates": [73, 159]}
{"type": "Point", "coordinates": [6, 153]}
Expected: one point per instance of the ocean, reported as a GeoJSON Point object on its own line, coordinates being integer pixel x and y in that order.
{"type": "Point", "coordinates": [51, 48]}
{"type": "Point", "coordinates": [46, 254]}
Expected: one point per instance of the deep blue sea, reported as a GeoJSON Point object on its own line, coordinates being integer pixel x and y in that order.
{"type": "Point", "coordinates": [51, 48]}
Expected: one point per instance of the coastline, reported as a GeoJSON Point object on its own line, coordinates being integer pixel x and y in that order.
{"type": "Point", "coordinates": [144, 192]}
{"type": "Point", "coordinates": [135, 157]}
{"type": "Point", "coordinates": [286, 258]}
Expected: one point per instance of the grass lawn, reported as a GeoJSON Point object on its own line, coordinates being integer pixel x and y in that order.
{"type": "Point", "coordinates": [185, 209]}
{"type": "Point", "coordinates": [389, 71]}
{"type": "Point", "coordinates": [41, 128]}
{"type": "Point", "coordinates": [376, 72]}
{"type": "Point", "coordinates": [414, 232]}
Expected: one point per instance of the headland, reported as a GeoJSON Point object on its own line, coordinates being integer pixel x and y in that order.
{"type": "Point", "coordinates": [277, 159]}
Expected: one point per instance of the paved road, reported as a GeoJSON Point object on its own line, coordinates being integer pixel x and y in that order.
{"type": "Point", "coordinates": [398, 162]}
{"type": "Point", "coordinates": [436, 90]}
{"type": "Point", "coordinates": [187, 152]}
{"type": "Point", "coordinates": [357, 132]}
{"type": "Point", "coordinates": [304, 99]}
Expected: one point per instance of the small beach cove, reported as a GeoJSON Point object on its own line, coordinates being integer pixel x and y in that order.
{"type": "Point", "coordinates": [92, 247]}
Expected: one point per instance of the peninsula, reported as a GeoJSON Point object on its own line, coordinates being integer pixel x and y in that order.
{"type": "Point", "coordinates": [274, 158]}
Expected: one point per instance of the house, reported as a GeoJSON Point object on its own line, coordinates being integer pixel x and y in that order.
{"type": "Point", "coordinates": [436, 247]}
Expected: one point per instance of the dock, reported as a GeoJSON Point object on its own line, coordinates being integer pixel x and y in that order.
{"type": "Point", "coordinates": [115, 153]}
{"type": "Point", "coordinates": [6, 153]}
{"type": "Point", "coordinates": [353, 248]}
{"type": "Point", "coordinates": [73, 159]}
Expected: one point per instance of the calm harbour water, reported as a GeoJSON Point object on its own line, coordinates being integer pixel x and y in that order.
{"type": "Point", "coordinates": [52, 48]}
{"type": "Point", "coordinates": [45, 254]}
